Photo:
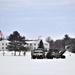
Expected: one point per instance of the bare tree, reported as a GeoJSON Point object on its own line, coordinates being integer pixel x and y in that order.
{"type": "Point", "coordinates": [50, 41]}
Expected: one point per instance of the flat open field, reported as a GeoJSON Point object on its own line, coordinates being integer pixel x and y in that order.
{"type": "Point", "coordinates": [24, 65]}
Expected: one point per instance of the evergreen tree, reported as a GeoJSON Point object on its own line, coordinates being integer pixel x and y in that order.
{"type": "Point", "coordinates": [17, 42]}
{"type": "Point", "coordinates": [41, 45]}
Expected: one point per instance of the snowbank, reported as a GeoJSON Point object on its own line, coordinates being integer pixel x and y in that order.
{"type": "Point", "coordinates": [24, 65]}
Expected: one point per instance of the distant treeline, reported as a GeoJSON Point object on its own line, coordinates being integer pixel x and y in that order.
{"type": "Point", "coordinates": [60, 44]}
{"type": "Point", "coordinates": [65, 43]}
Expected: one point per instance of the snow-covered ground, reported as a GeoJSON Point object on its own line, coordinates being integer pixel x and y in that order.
{"type": "Point", "coordinates": [24, 65]}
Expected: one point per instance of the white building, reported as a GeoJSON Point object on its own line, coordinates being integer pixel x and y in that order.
{"type": "Point", "coordinates": [3, 45]}
{"type": "Point", "coordinates": [33, 44]}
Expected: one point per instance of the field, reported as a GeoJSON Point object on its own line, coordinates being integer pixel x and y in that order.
{"type": "Point", "coordinates": [24, 65]}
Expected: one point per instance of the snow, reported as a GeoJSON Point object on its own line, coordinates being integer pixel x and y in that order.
{"type": "Point", "coordinates": [24, 65]}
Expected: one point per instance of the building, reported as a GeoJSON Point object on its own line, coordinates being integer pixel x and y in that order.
{"type": "Point", "coordinates": [3, 45]}
{"type": "Point", "coordinates": [33, 44]}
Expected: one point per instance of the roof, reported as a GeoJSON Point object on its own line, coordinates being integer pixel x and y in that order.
{"type": "Point", "coordinates": [4, 41]}
{"type": "Point", "coordinates": [35, 41]}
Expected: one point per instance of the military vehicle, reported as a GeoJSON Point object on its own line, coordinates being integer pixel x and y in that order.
{"type": "Point", "coordinates": [55, 53]}
{"type": "Point", "coordinates": [38, 53]}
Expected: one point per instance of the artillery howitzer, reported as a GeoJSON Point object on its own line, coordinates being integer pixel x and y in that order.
{"type": "Point", "coordinates": [55, 53]}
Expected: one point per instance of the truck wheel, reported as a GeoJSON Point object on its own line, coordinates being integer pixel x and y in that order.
{"type": "Point", "coordinates": [50, 57]}
{"type": "Point", "coordinates": [32, 58]}
{"type": "Point", "coordinates": [41, 58]}
{"type": "Point", "coordinates": [63, 57]}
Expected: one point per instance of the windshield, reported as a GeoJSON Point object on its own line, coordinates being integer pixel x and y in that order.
{"type": "Point", "coordinates": [38, 51]}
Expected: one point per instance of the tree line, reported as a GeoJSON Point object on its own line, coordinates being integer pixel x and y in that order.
{"type": "Point", "coordinates": [67, 43]}
{"type": "Point", "coordinates": [17, 43]}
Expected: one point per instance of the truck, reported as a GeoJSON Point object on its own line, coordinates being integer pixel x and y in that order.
{"type": "Point", "coordinates": [38, 53]}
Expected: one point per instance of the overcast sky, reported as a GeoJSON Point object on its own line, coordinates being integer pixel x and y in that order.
{"type": "Point", "coordinates": [34, 18]}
